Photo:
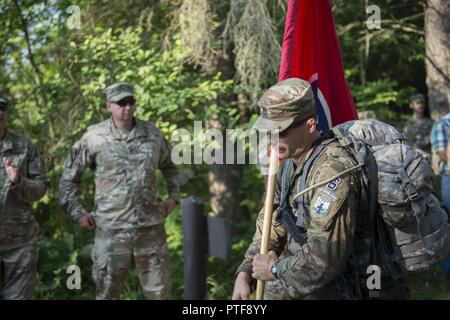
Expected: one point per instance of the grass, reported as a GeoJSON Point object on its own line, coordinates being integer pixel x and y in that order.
{"type": "Point", "coordinates": [429, 285]}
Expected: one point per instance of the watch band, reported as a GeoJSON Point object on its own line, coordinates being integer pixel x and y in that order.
{"type": "Point", "coordinates": [274, 269]}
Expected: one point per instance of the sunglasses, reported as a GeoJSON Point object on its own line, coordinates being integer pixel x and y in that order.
{"type": "Point", "coordinates": [3, 106]}
{"type": "Point", "coordinates": [124, 102]}
{"type": "Point", "coordinates": [295, 124]}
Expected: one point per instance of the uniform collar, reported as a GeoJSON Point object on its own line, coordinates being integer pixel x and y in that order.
{"type": "Point", "coordinates": [138, 130]}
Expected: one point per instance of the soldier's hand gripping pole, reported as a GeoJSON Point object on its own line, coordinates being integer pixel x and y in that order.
{"type": "Point", "coordinates": [268, 211]}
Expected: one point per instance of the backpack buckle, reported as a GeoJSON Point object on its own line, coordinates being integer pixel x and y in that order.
{"type": "Point", "coordinates": [411, 191]}
{"type": "Point", "coordinates": [407, 183]}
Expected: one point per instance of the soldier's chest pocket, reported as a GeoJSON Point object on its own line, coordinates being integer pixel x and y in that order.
{"type": "Point", "coordinates": [147, 155]}
{"type": "Point", "coordinates": [110, 158]}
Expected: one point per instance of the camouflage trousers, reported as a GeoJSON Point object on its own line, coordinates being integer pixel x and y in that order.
{"type": "Point", "coordinates": [392, 290]}
{"type": "Point", "coordinates": [112, 253]}
{"type": "Point", "coordinates": [18, 269]}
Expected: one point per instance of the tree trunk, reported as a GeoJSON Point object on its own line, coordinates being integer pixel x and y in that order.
{"type": "Point", "coordinates": [225, 179]}
{"type": "Point", "coordinates": [224, 186]}
{"type": "Point", "coordinates": [437, 37]}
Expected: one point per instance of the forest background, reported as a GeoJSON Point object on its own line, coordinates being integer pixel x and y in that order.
{"type": "Point", "coordinates": [206, 60]}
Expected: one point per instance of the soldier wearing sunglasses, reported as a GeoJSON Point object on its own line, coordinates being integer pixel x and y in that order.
{"type": "Point", "coordinates": [124, 154]}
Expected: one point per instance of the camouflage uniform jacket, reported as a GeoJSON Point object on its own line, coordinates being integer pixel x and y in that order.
{"type": "Point", "coordinates": [417, 132]}
{"type": "Point", "coordinates": [336, 217]}
{"type": "Point", "coordinates": [18, 226]}
{"type": "Point", "coordinates": [124, 172]}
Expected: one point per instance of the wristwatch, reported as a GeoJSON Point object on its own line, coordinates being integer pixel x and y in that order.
{"type": "Point", "coordinates": [274, 269]}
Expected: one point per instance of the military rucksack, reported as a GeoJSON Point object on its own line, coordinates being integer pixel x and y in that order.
{"type": "Point", "coordinates": [416, 221]}
{"type": "Point", "coordinates": [409, 226]}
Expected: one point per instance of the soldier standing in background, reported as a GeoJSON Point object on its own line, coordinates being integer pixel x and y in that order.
{"type": "Point", "coordinates": [22, 182]}
{"type": "Point", "coordinates": [440, 138]}
{"type": "Point", "coordinates": [417, 130]}
{"type": "Point", "coordinates": [124, 154]}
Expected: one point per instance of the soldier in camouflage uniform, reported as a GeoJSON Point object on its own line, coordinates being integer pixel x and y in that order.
{"type": "Point", "coordinates": [417, 130]}
{"type": "Point", "coordinates": [124, 154]}
{"type": "Point", "coordinates": [336, 226]}
{"type": "Point", "coordinates": [22, 182]}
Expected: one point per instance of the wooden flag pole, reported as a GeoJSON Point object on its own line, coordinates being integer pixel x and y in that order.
{"type": "Point", "coordinates": [268, 212]}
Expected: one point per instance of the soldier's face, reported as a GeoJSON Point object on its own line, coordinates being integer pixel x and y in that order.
{"type": "Point", "coordinates": [122, 110]}
{"type": "Point", "coordinates": [295, 142]}
{"type": "Point", "coordinates": [417, 107]}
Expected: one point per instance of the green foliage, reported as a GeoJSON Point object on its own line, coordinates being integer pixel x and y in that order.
{"type": "Point", "coordinates": [383, 66]}
{"type": "Point", "coordinates": [55, 255]}
{"type": "Point", "coordinates": [429, 285]}
{"type": "Point", "coordinates": [59, 95]}
{"type": "Point", "coordinates": [175, 243]}
{"type": "Point", "coordinates": [383, 96]}
{"type": "Point", "coordinates": [76, 69]}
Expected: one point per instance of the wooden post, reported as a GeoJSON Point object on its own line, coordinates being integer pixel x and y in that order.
{"type": "Point", "coordinates": [268, 212]}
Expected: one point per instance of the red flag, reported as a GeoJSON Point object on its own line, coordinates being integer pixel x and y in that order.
{"type": "Point", "coordinates": [311, 52]}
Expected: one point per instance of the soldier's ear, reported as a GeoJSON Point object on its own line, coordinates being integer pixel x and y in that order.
{"type": "Point", "coordinates": [108, 105]}
{"type": "Point", "coordinates": [311, 125]}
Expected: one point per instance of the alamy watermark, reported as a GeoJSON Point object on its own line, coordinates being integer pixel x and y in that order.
{"type": "Point", "coordinates": [230, 146]}
{"type": "Point", "coordinates": [374, 20]}
{"type": "Point", "coordinates": [74, 280]}
{"type": "Point", "coordinates": [373, 282]}
{"type": "Point", "coordinates": [74, 20]}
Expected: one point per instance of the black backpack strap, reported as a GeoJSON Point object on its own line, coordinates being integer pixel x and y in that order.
{"type": "Point", "coordinates": [419, 212]}
{"type": "Point", "coordinates": [287, 218]}
{"type": "Point", "coordinates": [285, 215]}
{"type": "Point", "coordinates": [372, 174]}
{"type": "Point", "coordinates": [286, 179]}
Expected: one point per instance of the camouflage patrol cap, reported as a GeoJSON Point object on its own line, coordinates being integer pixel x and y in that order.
{"type": "Point", "coordinates": [118, 91]}
{"type": "Point", "coordinates": [285, 102]}
{"type": "Point", "coordinates": [417, 97]}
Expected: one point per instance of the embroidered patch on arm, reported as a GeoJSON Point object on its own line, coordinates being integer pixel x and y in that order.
{"type": "Point", "coordinates": [334, 184]}
{"type": "Point", "coordinates": [322, 206]}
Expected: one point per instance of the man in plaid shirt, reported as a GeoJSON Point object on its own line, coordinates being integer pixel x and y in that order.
{"type": "Point", "coordinates": [440, 138]}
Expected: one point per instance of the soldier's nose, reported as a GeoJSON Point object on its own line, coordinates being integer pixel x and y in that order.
{"type": "Point", "coordinates": [282, 154]}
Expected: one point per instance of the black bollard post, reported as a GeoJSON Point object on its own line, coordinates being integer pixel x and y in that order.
{"type": "Point", "coordinates": [195, 249]}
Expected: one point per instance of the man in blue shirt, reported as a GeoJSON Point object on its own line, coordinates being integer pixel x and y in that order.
{"type": "Point", "coordinates": [440, 138]}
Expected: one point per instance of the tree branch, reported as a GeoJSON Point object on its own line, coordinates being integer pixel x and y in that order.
{"type": "Point", "coordinates": [37, 72]}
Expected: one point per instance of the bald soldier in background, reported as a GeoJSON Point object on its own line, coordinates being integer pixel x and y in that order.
{"type": "Point", "coordinates": [22, 182]}
{"type": "Point", "coordinates": [334, 228]}
{"type": "Point", "coordinates": [124, 154]}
